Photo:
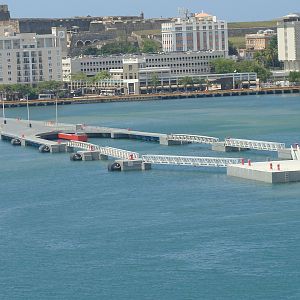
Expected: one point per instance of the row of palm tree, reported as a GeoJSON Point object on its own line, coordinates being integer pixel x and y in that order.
{"type": "Point", "coordinates": [185, 82]}
{"type": "Point", "coordinates": [18, 91]}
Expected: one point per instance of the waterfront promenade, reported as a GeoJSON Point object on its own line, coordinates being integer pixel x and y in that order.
{"type": "Point", "coordinates": [154, 96]}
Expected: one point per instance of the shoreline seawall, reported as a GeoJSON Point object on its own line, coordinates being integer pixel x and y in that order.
{"type": "Point", "coordinates": [150, 97]}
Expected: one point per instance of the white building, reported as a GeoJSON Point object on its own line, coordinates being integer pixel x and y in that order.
{"type": "Point", "coordinates": [288, 30]}
{"type": "Point", "coordinates": [180, 63]}
{"type": "Point", "coordinates": [197, 33]}
{"type": "Point", "coordinates": [29, 58]}
{"type": "Point", "coordinates": [140, 79]}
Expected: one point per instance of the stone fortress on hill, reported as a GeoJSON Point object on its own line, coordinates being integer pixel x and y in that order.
{"type": "Point", "coordinates": [83, 31]}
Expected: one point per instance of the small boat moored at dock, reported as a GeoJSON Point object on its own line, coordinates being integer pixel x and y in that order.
{"type": "Point", "coordinates": [73, 137]}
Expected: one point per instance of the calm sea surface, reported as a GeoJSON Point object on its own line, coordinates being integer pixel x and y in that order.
{"type": "Point", "coordinates": [73, 230]}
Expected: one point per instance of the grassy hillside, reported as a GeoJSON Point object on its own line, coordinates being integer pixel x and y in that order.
{"type": "Point", "coordinates": [256, 24]}
{"type": "Point", "coordinates": [238, 41]}
{"type": "Point", "coordinates": [148, 32]}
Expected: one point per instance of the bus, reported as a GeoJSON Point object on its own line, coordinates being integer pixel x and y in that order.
{"type": "Point", "coordinates": [108, 93]}
{"type": "Point", "coordinates": [46, 96]}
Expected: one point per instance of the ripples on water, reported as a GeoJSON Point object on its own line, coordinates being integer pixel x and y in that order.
{"type": "Point", "coordinates": [74, 231]}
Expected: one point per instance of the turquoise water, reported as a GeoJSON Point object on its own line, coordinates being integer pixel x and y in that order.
{"type": "Point", "coordinates": [75, 231]}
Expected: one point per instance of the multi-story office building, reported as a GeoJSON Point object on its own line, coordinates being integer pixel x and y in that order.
{"type": "Point", "coordinates": [136, 78]}
{"type": "Point", "coordinates": [180, 63]}
{"type": "Point", "coordinates": [200, 32]}
{"type": "Point", "coordinates": [29, 58]}
{"type": "Point", "coordinates": [288, 30]}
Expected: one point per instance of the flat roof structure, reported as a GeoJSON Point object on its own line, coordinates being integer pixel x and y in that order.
{"type": "Point", "coordinates": [270, 171]}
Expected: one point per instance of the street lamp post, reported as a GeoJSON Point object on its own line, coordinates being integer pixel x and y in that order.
{"type": "Point", "coordinates": [28, 114]}
{"type": "Point", "coordinates": [56, 111]}
{"type": "Point", "coordinates": [3, 109]}
{"type": "Point", "coordinates": [233, 80]}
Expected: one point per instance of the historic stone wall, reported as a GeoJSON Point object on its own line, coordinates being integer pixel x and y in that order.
{"type": "Point", "coordinates": [43, 26]}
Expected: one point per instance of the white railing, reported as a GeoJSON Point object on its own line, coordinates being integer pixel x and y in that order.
{"type": "Point", "coordinates": [119, 153]}
{"type": "Point", "coordinates": [190, 160]}
{"type": "Point", "coordinates": [256, 145]}
{"type": "Point", "coordinates": [295, 152]}
{"type": "Point", "coordinates": [109, 151]}
{"type": "Point", "coordinates": [192, 138]}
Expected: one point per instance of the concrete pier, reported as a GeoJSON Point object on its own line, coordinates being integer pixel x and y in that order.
{"type": "Point", "coordinates": [118, 135]}
{"type": "Point", "coordinates": [221, 147]}
{"type": "Point", "coordinates": [58, 148]}
{"type": "Point", "coordinates": [133, 165]}
{"type": "Point", "coordinates": [271, 172]}
{"type": "Point", "coordinates": [92, 155]}
{"type": "Point", "coordinates": [163, 140]}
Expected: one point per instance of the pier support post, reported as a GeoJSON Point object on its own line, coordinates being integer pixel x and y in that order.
{"type": "Point", "coordinates": [58, 148]}
{"type": "Point", "coordinates": [133, 165]}
{"type": "Point", "coordinates": [23, 143]}
{"type": "Point", "coordinates": [163, 140]}
{"type": "Point", "coordinates": [103, 157]}
{"type": "Point", "coordinates": [221, 147]}
{"type": "Point", "coordinates": [117, 135]}
{"type": "Point", "coordinates": [285, 154]}
{"type": "Point", "coordinates": [92, 155]}
{"type": "Point", "coordinates": [69, 149]}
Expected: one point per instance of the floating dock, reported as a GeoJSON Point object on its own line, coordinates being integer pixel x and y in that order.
{"type": "Point", "coordinates": [272, 171]}
{"type": "Point", "coordinates": [44, 135]}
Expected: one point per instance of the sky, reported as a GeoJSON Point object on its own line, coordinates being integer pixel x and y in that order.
{"type": "Point", "coordinates": [229, 10]}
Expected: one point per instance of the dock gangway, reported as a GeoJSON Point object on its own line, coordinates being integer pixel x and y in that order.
{"type": "Point", "coordinates": [194, 161]}
{"type": "Point", "coordinates": [295, 152]}
{"type": "Point", "coordinates": [109, 151]}
{"type": "Point", "coordinates": [255, 145]}
{"type": "Point", "coordinates": [189, 138]}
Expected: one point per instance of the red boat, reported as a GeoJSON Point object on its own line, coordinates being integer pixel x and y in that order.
{"type": "Point", "coordinates": [73, 137]}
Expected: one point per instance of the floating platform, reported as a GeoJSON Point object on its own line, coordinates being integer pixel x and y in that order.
{"type": "Point", "coordinates": [271, 171]}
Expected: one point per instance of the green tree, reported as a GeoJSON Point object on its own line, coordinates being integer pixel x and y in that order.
{"type": "Point", "coordinates": [150, 46]}
{"type": "Point", "coordinates": [269, 56]}
{"type": "Point", "coordinates": [252, 66]}
{"type": "Point", "coordinates": [101, 76]}
{"type": "Point", "coordinates": [223, 65]}
{"type": "Point", "coordinates": [118, 48]}
{"type": "Point", "coordinates": [260, 58]}
{"type": "Point", "coordinates": [154, 81]}
{"type": "Point", "coordinates": [294, 77]}
{"type": "Point", "coordinates": [232, 50]}
{"type": "Point", "coordinates": [50, 86]}
{"type": "Point", "coordinates": [91, 51]}
{"type": "Point", "coordinates": [200, 82]}
{"type": "Point", "coordinates": [186, 81]}
{"type": "Point", "coordinates": [79, 76]}
{"type": "Point", "coordinates": [6, 91]}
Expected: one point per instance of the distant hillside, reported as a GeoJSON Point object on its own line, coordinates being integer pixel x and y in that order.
{"type": "Point", "coordinates": [255, 24]}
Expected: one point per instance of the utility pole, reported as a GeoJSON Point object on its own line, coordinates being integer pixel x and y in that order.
{"type": "Point", "coordinates": [3, 109]}
{"type": "Point", "coordinates": [56, 111]}
{"type": "Point", "coordinates": [28, 114]}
